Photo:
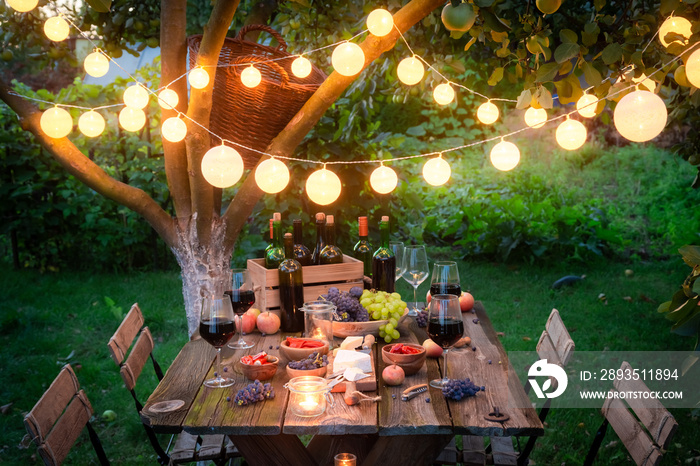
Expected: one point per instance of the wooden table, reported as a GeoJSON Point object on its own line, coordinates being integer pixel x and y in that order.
{"type": "Point", "coordinates": [387, 432]}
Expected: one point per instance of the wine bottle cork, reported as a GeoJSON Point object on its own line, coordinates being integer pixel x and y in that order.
{"type": "Point", "coordinates": [385, 218]}
{"type": "Point", "coordinates": [277, 217]}
{"type": "Point", "coordinates": [330, 219]}
{"type": "Point", "coordinates": [320, 217]}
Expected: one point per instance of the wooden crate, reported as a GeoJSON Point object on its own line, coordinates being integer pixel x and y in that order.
{"type": "Point", "coordinates": [317, 280]}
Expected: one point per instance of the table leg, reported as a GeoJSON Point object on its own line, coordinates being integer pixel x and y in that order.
{"type": "Point", "coordinates": [324, 447]}
{"type": "Point", "coordinates": [406, 449]}
{"type": "Point", "coordinates": [273, 450]}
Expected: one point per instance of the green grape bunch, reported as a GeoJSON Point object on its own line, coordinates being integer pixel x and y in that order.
{"type": "Point", "coordinates": [384, 306]}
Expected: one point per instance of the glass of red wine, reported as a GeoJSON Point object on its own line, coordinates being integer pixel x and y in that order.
{"type": "Point", "coordinates": [242, 298]}
{"type": "Point", "coordinates": [216, 327]}
{"type": "Point", "coordinates": [445, 327]}
{"type": "Point", "coordinates": [445, 279]}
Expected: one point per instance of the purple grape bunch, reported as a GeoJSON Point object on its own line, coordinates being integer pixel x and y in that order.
{"type": "Point", "coordinates": [347, 304]}
{"type": "Point", "coordinates": [422, 318]}
{"type": "Point", "coordinates": [254, 392]}
{"type": "Point", "coordinates": [456, 389]}
{"type": "Point", "coordinates": [312, 361]}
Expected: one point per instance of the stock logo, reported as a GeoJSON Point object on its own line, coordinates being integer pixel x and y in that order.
{"type": "Point", "coordinates": [552, 371]}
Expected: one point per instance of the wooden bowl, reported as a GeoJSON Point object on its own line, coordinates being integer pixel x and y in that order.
{"type": "Point", "coordinates": [297, 354]}
{"type": "Point", "coordinates": [320, 372]}
{"type": "Point", "coordinates": [350, 329]}
{"type": "Point", "coordinates": [261, 372]}
{"type": "Point", "coordinates": [410, 363]}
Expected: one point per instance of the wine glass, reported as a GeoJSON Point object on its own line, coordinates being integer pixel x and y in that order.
{"type": "Point", "coordinates": [216, 327]}
{"type": "Point", "coordinates": [445, 279]}
{"type": "Point", "coordinates": [445, 327]}
{"type": "Point", "coordinates": [242, 298]}
{"type": "Point", "coordinates": [415, 266]}
{"type": "Point", "coordinates": [398, 249]}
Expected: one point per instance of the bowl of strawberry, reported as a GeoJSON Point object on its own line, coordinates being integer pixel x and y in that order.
{"type": "Point", "coordinates": [261, 366]}
{"type": "Point", "coordinates": [410, 357]}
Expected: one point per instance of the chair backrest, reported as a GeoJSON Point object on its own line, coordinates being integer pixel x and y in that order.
{"type": "Point", "coordinates": [644, 438]}
{"type": "Point", "coordinates": [555, 343]}
{"type": "Point", "coordinates": [57, 419]}
{"type": "Point", "coordinates": [121, 340]}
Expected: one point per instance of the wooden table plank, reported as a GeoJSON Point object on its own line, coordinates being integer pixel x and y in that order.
{"type": "Point", "coordinates": [500, 381]}
{"type": "Point", "coordinates": [182, 381]}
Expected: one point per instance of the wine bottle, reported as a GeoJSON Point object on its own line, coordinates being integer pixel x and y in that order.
{"type": "Point", "coordinates": [363, 248]}
{"type": "Point", "coordinates": [291, 289]}
{"type": "Point", "coordinates": [301, 253]}
{"type": "Point", "coordinates": [383, 261]}
{"type": "Point", "coordinates": [275, 255]}
{"type": "Point", "coordinates": [320, 240]}
{"type": "Point", "coordinates": [272, 239]}
{"type": "Point", "coordinates": [331, 254]}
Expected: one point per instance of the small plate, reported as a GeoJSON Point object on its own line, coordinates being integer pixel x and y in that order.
{"type": "Point", "coordinates": [166, 406]}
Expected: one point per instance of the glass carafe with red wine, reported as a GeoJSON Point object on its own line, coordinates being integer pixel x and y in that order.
{"type": "Point", "coordinates": [216, 327]}
{"type": "Point", "coordinates": [445, 327]}
{"type": "Point", "coordinates": [320, 238]}
{"type": "Point", "coordinates": [291, 290]}
{"type": "Point", "coordinates": [301, 253]}
{"type": "Point", "coordinates": [331, 253]}
{"type": "Point", "coordinates": [275, 255]}
{"type": "Point", "coordinates": [445, 279]}
{"type": "Point", "coordinates": [242, 298]}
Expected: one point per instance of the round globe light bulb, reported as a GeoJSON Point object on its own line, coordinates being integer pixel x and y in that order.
{"type": "Point", "coordinates": [56, 123]}
{"type": "Point", "coordinates": [505, 156]}
{"type": "Point", "coordinates": [168, 99]}
{"type": "Point", "coordinates": [487, 113]}
{"type": "Point", "coordinates": [535, 117]}
{"type": "Point", "coordinates": [323, 187]}
{"type": "Point", "coordinates": [301, 67]}
{"type": "Point", "coordinates": [443, 94]}
{"type": "Point", "coordinates": [383, 180]}
{"type": "Point", "coordinates": [96, 64]}
{"type": "Point", "coordinates": [587, 105]}
{"type": "Point", "coordinates": [640, 116]}
{"type": "Point", "coordinates": [437, 171]}
{"type": "Point", "coordinates": [410, 71]}
{"type": "Point", "coordinates": [136, 96]}
{"type": "Point", "coordinates": [251, 77]}
{"type": "Point", "coordinates": [272, 176]}
{"type": "Point", "coordinates": [198, 78]}
{"type": "Point", "coordinates": [56, 28]}
{"type": "Point", "coordinates": [380, 22]}
{"type": "Point", "coordinates": [132, 118]}
{"type": "Point", "coordinates": [348, 59]}
{"type": "Point", "coordinates": [678, 25]}
{"type": "Point", "coordinates": [692, 68]}
{"type": "Point", "coordinates": [174, 129]}
{"type": "Point", "coordinates": [91, 124]}
{"type": "Point", "coordinates": [222, 166]}
{"type": "Point", "coordinates": [571, 134]}
{"type": "Point", "coordinates": [23, 5]}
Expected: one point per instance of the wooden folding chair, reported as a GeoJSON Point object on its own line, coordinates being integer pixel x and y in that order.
{"type": "Point", "coordinates": [645, 436]}
{"type": "Point", "coordinates": [58, 418]}
{"type": "Point", "coordinates": [188, 447]}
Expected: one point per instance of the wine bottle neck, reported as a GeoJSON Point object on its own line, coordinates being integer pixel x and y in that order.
{"type": "Point", "coordinates": [288, 247]}
{"type": "Point", "coordinates": [384, 234]}
{"type": "Point", "coordinates": [330, 234]}
{"type": "Point", "coordinates": [298, 234]}
{"type": "Point", "coordinates": [277, 228]}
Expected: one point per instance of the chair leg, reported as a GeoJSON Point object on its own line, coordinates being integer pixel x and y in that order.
{"type": "Point", "coordinates": [597, 442]}
{"type": "Point", "coordinates": [97, 445]}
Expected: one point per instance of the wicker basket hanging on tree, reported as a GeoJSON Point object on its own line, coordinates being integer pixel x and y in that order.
{"type": "Point", "coordinates": [254, 116]}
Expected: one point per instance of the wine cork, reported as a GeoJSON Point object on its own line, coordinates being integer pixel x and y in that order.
{"type": "Point", "coordinates": [385, 218]}
{"type": "Point", "coordinates": [330, 219]}
{"type": "Point", "coordinates": [277, 217]}
{"type": "Point", "coordinates": [287, 235]}
{"type": "Point", "coordinates": [320, 217]}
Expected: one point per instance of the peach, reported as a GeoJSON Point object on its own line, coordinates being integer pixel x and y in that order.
{"type": "Point", "coordinates": [247, 323]}
{"type": "Point", "coordinates": [254, 312]}
{"type": "Point", "coordinates": [466, 301]}
{"type": "Point", "coordinates": [432, 349]}
{"type": "Point", "coordinates": [393, 375]}
{"type": "Point", "coordinates": [268, 323]}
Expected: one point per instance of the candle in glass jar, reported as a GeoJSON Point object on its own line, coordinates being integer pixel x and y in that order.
{"type": "Point", "coordinates": [345, 459]}
{"type": "Point", "coordinates": [310, 404]}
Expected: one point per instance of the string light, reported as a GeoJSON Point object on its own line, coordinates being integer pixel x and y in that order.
{"type": "Point", "coordinates": [323, 186]}
{"type": "Point", "coordinates": [168, 99]}
{"type": "Point", "coordinates": [91, 124]}
{"type": "Point", "coordinates": [136, 96]}
{"type": "Point", "coordinates": [96, 64]}
{"type": "Point", "coordinates": [677, 25]}
{"type": "Point", "coordinates": [436, 171]}
{"type": "Point", "coordinates": [198, 78]}
{"type": "Point", "coordinates": [487, 113]}
{"type": "Point", "coordinates": [505, 155]}
{"type": "Point", "coordinates": [535, 117]}
{"type": "Point", "coordinates": [640, 116]}
{"type": "Point", "coordinates": [301, 67]}
{"type": "Point", "coordinates": [587, 105]}
{"type": "Point", "coordinates": [410, 71]}
{"type": "Point", "coordinates": [348, 59]}
{"type": "Point", "coordinates": [56, 29]}
{"type": "Point", "coordinates": [383, 180]}
{"type": "Point", "coordinates": [443, 94]}
{"type": "Point", "coordinates": [251, 77]}
{"type": "Point", "coordinates": [56, 123]}
{"type": "Point", "coordinates": [272, 176]}
{"type": "Point", "coordinates": [380, 22]}
{"type": "Point", "coordinates": [692, 68]}
{"type": "Point", "coordinates": [174, 129]}
{"type": "Point", "coordinates": [571, 134]}
{"type": "Point", "coordinates": [132, 118]}
{"type": "Point", "coordinates": [23, 6]}
{"type": "Point", "coordinates": [222, 166]}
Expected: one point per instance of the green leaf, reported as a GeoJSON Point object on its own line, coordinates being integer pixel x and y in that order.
{"type": "Point", "coordinates": [483, 3]}
{"type": "Point", "coordinates": [599, 4]}
{"type": "Point", "coordinates": [524, 99]}
{"type": "Point", "coordinates": [567, 35]}
{"type": "Point", "coordinates": [493, 21]}
{"type": "Point", "coordinates": [690, 254]}
{"type": "Point", "coordinates": [566, 51]}
{"type": "Point", "coordinates": [668, 6]}
{"type": "Point", "coordinates": [688, 362]}
{"type": "Point", "coordinates": [547, 72]}
{"type": "Point", "coordinates": [100, 6]}
{"type": "Point", "coordinates": [544, 97]}
{"type": "Point", "coordinates": [612, 53]}
{"type": "Point", "coordinates": [496, 76]}
{"type": "Point", "coordinates": [416, 131]}
{"type": "Point", "coordinates": [592, 75]}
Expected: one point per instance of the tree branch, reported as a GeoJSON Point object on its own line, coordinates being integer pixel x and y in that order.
{"type": "Point", "coordinates": [197, 140]}
{"type": "Point", "coordinates": [291, 136]}
{"type": "Point", "coordinates": [78, 165]}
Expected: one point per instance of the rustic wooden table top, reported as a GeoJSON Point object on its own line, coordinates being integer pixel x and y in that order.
{"type": "Point", "coordinates": [206, 410]}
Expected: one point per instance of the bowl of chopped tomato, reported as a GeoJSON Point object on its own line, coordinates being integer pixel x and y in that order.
{"type": "Point", "coordinates": [261, 366]}
{"type": "Point", "coordinates": [410, 357]}
{"type": "Point", "coordinates": [296, 349]}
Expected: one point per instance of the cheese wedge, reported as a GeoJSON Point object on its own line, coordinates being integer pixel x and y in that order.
{"type": "Point", "coordinates": [350, 343]}
{"type": "Point", "coordinates": [346, 359]}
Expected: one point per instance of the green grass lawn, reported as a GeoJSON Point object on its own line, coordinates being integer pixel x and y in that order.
{"type": "Point", "coordinates": [44, 319]}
